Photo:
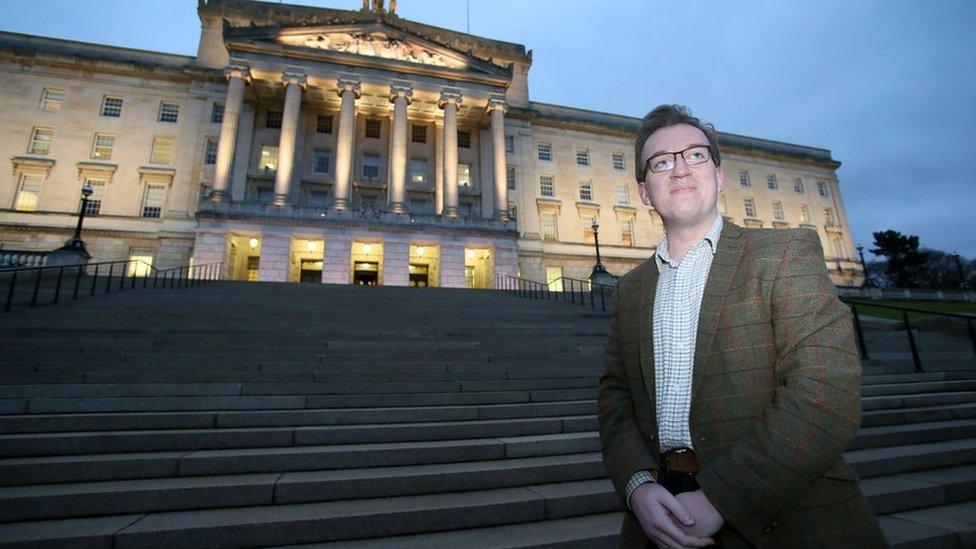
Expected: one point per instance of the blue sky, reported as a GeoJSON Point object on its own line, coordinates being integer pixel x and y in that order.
{"type": "Point", "coordinates": [888, 86]}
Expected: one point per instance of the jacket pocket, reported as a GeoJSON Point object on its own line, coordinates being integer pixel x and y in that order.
{"type": "Point", "coordinates": [842, 471]}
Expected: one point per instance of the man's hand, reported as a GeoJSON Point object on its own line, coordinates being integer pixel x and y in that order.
{"type": "Point", "coordinates": [660, 513]}
{"type": "Point", "coordinates": [707, 519]}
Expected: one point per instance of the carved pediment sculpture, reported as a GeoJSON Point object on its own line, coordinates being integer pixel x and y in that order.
{"type": "Point", "coordinates": [374, 44]}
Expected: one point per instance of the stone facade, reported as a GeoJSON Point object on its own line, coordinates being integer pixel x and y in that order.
{"type": "Point", "coordinates": [297, 134]}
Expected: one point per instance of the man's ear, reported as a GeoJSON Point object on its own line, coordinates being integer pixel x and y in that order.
{"type": "Point", "coordinates": [720, 178]}
{"type": "Point", "coordinates": [645, 198]}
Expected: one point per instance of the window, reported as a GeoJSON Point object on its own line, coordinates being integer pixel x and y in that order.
{"type": "Point", "coordinates": [778, 211]}
{"type": "Point", "coordinates": [547, 185]}
{"type": "Point", "coordinates": [589, 235]}
{"type": "Point", "coordinates": [373, 128]}
{"type": "Point", "coordinates": [318, 199]}
{"type": "Point", "coordinates": [162, 151]}
{"type": "Point", "coordinates": [29, 193]}
{"type": "Point", "coordinates": [750, 207]}
{"type": "Point", "coordinates": [418, 170]}
{"type": "Point", "coordinates": [140, 262]}
{"type": "Point", "coordinates": [321, 161]}
{"type": "Point", "coordinates": [829, 220]}
{"type": "Point", "coordinates": [111, 106]}
{"type": "Point", "coordinates": [464, 209]}
{"type": "Point", "coordinates": [418, 133]}
{"type": "Point", "coordinates": [509, 144]}
{"type": "Point", "coordinates": [269, 158]}
{"type": "Point", "coordinates": [152, 201]}
{"type": "Point", "coordinates": [618, 161]}
{"type": "Point", "coordinates": [627, 232]}
{"type": "Point", "coordinates": [586, 190]}
{"type": "Point", "coordinates": [511, 178]}
{"type": "Point", "coordinates": [548, 224]}
{"type": "Point", "coordinates": [804, 214]}
{"type": "Point", "coordinates": [168, 112]}
{"type": "Point", "coordinates": [273, 120]}
{"type": "Point", "coordinates": [464, 139]}
{"type": "Point", "coordinates": [210, 152]}
{"type": "Point", "coordinates": [623, 194]}
{"type": "Point", "coordinates": [798, 185]}
{"type": "Point", "coordinates": [545, 152]}
{"type": "Point", "coordinates": [94, 205]}
{"type": "Point", "coordinates": [371, 166]}
{"type": "Point", "coordinates": [838, 247]}
{"type": "Point", "coordinates": [217, 113]}
{"type": "Point", "coordinates": [771, 182]}
{"type": "Point", "coordinates": [417, 206]}
{"type": "Point", "coordinates": [554, 277]}
{"type": "Point", "coordinates": [102, 146]}
{"type": "Point", "coordinates": [51, 99]}
{"type": "Point", "coordinates": [323, 123]}
{"type": "Point", "coordinates": [722, 207]}
{"type": "Point", "coordinates": [822, 188]}
{"type": "Point", "coordinates": [40, 141]}
{"type": "Point", "coordinates": [582, 157]}
{"type": "Point", "coordinates": [265, 194]}
{"type": "Point", "coordinates": [464, 175]}
{"type": "Point", "coordinates": [744, 178]}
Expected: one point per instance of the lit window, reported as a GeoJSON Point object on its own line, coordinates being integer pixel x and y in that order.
{"type": "Point", "coordinates": [722, 208]}
{"type": "Point", "coordinates": [269, 158]}
{"type": "Point", "coordinates": [828, 214]}
{"type": "Point", "coordinates": [102, 146]}
{"type": "Point", "coordinates": [798, 185]}
{"type": "Point", "coordinates": [51, 99]}
{"type": "Point", "coordinates": [321, 161]}
{"type": "Point", "coordinates": [162, 151]}
{"type": "Point", "coordinates": [822, 188]}
{"type": "Point", "coordinates": [418, 170]}
{"type": "Point", "coordinates": [510, 177]}
{"type": "Point", "coordinates": [418, 133]}
{"type": "Point", "coordinates": [548, 225]}
{"type": "Point", "coordinates": [373, 128]}
{"type": "Point", "coordinates": [750, 207]}
{"type": "Point", "coordinates": [771, 182]}
{"type": "Point", "coordinates": [464, 175]}
{"type": "Point", "coordinates": [586, 190]}
{"type": "Point", "coordinates": [140, 262]}
{"type": "Point", "coordinates": [371, 166]}
{"type": "Point", "coordinates": [545, 152]}
{"type": "Point", "coordinates": [618, 161]}
{"type": "Point", "coordinates": [94, 205]}
{"type": "Point", "coordinates": [804, 214]}
{"type": "Point", "coordinates": [217, 113]}
{"type": "Point", "coordinates": [169, 112]}
{"type": "Point", "coordinates": [40, 141]}
{"type": "Point", "coordinates": [323, 123]}
{"type": "Point", "coordinates": [623, 194]}
{"type": "Point", "coordinates": [589, 235]}
{"type": "Point", "coordinates": [464, 139]}
{"type": "Point", "coordinates": [152, 201]}
{"type": "Point", "coordinates": [111, 106]}
{"type": "Point", "coordinates": [273, 120]}
{"type": "Point", "coordinates": [210, 152]}
{"type": "Point", "coordinates": [509, 144]}
{"type": "Point", "coordinates": [778, 211]}
{"type": "Point", "coordinates": [547, 185]}
{"type": "Point", "coordinates": [627, 232]}
{"type": "Point", "coordinates": [583, 157]}
{"type": "Point", "coordinates": [29, 193]}
{"type": "Point", "coordinates": [744, 178]}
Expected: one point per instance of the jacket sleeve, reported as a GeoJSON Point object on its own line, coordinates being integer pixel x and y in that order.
{"type": "Point", "coordinates": [625, 450]}
{"type": "Point", "coordinates": [816, 408]}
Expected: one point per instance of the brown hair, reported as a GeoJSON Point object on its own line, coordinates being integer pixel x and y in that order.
{"type": "Point", "coordinates": [670, 115]}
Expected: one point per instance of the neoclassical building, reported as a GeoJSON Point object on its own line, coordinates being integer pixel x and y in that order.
{"type": "Point", "coordinates": [319, 145]}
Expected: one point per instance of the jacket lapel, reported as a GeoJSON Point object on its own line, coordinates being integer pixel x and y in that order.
{"type": "Point", "coordinates": [645, 327]}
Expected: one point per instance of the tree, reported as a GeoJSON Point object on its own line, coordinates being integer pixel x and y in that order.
{"type": "Point", "coordinates": [944, 271]}
{"type": "Point", "coordinates": [905, 261]}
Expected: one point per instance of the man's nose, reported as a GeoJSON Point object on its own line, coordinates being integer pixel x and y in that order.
{"type": "Point", "coordinates": [681, 168]}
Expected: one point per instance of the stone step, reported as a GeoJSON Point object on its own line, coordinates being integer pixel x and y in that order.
{"type": "Point", "coordinates": [952, 525]}
{"type": "Point", "coordinates": [889, 402]}
{"type": "Point", "coordinates": [920, 489]}
{"type": "Point", "coordinates": [898, 416]}
{"type": "Point", "coordinates": [914, 433]}
{"type": "Point", "coordinates": [918, 387]}
{"type": "Point", "coordinates": [874, 462]}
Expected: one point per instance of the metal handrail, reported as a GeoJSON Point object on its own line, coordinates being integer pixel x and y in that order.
{"type": "Point", "coordinates": [579, 290]}
{"type": "Point", "coordinates": [177, 277]}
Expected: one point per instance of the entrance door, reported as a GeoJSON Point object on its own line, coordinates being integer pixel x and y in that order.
{"type": "Point", "coordinates": [253, 262]}
{"type": "Point", "coordinates": [311, 272]}
{"type": "Point", "coordinates": [419, 277]}
{"type": "Point", "coordinates": [366, 273]}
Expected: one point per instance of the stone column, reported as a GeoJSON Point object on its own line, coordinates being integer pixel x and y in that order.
{"type": "Point", "coordinates": [452, 266]}
{"type": "Point", "coordinates": [396, 263]}
{"type": "Point", "coordinates": [449, 102]}
{"type": "Point", "coordinates": [236, 76]}
{"type": "Point", "coordinates": [497, 108]}
{"type": "Point", "coordinates": [438, 166]}
{"type": "Point", "coordinates": [349, 92]}
{"type": "Point", "coordinates": [335, 263]}
{"type": "Point", "coordinates": [294, 83]}
{"type": "Point", "coordinates": [397, 187]}
{"type": "Point", "coordinates": [275, 252]}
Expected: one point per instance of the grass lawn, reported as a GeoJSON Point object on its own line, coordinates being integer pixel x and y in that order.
{"type": "Point", "coordinates": [935, 306]}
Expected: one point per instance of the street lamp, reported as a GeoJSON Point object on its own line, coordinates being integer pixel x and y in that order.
{"type": "Point", "coordinates": [864, 268]}
{"type": "Point", "coordinates": [75, 241]}
{"type": "Point", "coordinates": [599, 273]}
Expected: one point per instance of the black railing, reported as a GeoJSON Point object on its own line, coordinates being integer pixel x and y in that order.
{"type": "Point", "coordinates": [906, 324]}
{"type": "Point", "coordinates": [33, 286]}
{"type": "Point", "coordinates": [564, 289]}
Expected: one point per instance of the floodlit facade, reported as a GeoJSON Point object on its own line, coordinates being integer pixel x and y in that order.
{"type": "Point", "coordinates": [319, 145]}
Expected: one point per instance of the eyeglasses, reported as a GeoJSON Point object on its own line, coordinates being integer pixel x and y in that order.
{"type": "Point", "coordinates": [663, 162]}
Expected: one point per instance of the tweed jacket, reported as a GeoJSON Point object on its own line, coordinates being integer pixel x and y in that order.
{"type": "Point", "coordinates": [775, 395]}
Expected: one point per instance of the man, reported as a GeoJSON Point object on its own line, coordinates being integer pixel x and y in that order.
{"type": "Point", "coordinates": [732, 384]}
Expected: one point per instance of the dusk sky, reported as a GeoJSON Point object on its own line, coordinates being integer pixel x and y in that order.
{"type": "Point", "coordinates": [888, 86]}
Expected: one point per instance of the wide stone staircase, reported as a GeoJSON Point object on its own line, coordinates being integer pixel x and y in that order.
{"type": "Point", "coordinates": [247, 414]}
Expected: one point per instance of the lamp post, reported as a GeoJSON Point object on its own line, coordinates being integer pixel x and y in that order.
{"type": "Point", "coordinates": [75, 241]}
{"type": "Point", "coordinates": [599, 274]}
{"type": "Point", "coordinates": [73, 252]}
{"type": "Point", "coordinates": [864, 267]}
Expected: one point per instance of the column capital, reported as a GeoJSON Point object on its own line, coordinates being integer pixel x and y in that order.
{"type": "Point", "coordinates": [497, 104]}
{"type": "Point", "coordinates": [294, 77]}
{"type": "Point", "coordinates": [349, 85]}
{"type": "Point", "coordinates": [238, 71]}
{"type": "Point", "coordinates": [397, 90]}
{"type": "Point", "coordinates": [449, 97]}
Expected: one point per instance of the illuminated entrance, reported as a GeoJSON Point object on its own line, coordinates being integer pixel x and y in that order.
{"type": "Point", "coordinates": [367, 263]}
{"type": "Point", "coordinates": [477, 267]}
{"type": "Point", "coordinates": [244, 257]}
{"type": "Point", "coordinates": [306, 260]}
{"type": "Point", "coordinates": [423, 268]}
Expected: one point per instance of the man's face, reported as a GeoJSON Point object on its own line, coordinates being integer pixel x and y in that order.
{"type": "Point", "coordinates": [684, 196]}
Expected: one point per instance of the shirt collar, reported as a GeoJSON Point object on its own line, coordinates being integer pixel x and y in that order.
{"type": "Point", "coordinates": [711, 238]}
